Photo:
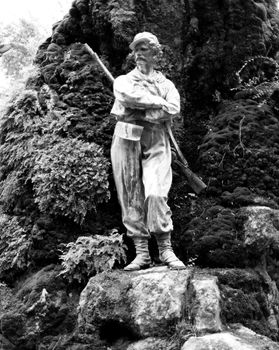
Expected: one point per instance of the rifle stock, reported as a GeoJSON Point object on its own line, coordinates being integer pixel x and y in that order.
{"type": "Point", "coordinates": [194, 181]}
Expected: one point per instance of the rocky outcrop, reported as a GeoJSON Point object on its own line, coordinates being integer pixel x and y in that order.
{"type": "Point", "coordinates": [158, 307]}
{"type": "Point", "coordinates": [203, 47]}
{"type": "Point", "coordinates": [146, 303]}
{"type": "Point", "coordinates": [38, 310]}
{"type": "Point", "coordinates": [177, 309]}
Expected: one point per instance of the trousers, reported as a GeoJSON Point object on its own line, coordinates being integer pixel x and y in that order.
{"type": "Point", "coordinates": [143, 177]}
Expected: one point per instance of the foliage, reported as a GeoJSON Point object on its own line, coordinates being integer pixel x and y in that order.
{"type": "Point", "coordinates": [10, 190]}
{"type": "Point", "coordinates": [258, 78]}
{"type": "Point", "coordinates": [18, 131]}
{"type": "Point", "coordinates": [25, 37]}
{"type": "Point", "coordinates": [93, 254]}
{"type": "Point", "coordinates": [15, 245]}
{"type": "Point", "coordinates": [70, 178]}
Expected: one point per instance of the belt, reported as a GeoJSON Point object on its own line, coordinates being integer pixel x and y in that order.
{"type": "Point", "coordinates": [128, 131]}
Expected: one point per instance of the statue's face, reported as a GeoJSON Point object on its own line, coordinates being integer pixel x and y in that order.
{"type": "Point", "coordinates": [144, 54]}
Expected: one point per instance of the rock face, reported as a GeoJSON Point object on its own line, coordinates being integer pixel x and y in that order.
{"type": "Point", "coordinates": [164, 308]}
{"type": "Point", "coordinates": [262, 228]}
{"type": "Point", "coordinates": [195, 308]}
{"type": "Point", "coordinates": [37, 310]}
{"type": "Point", "coordinates": [228, 137]}
{"type": "Point", "coordinates": [206, 304]}
{"type": "Point", "coordinates": [157, 300]}
{"type": "Point", "coordinates": [144, 302]}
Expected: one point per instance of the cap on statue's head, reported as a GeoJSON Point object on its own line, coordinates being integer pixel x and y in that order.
{"type": "Point", "coordinates": [144, 37]}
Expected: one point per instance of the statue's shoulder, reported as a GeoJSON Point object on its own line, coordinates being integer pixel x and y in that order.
{"type": "Point", "coordinates": [121, 79]}
{"type": "Point", "coordinates": [126, 77]}
{"type": "Point", "coordinates": [161, 78]}
{"type": "Point", "coordinates": [170, 83]}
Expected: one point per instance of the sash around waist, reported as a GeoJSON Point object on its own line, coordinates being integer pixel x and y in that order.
{"type": "Point", "coordinates": [128, 131]}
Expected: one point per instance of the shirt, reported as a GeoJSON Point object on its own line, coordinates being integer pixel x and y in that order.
{"type": "Point", "coordinates": [140, 98]}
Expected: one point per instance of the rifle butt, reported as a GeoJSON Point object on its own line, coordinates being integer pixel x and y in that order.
{"type": "Point", "coordinates": [194, 181]}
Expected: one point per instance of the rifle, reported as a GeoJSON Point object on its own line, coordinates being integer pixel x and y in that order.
{"type": "Point", "coordinates": [194, 181]}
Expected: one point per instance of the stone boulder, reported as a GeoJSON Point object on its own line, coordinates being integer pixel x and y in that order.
{"type": "Point", "coordinates": [165, 309]}
{"type": "Point", "coordinates": [206, 304]}
{"type": "Point", "coordinates": [155, 308]}
{"type": "Point", "coordinates": [138, 304]}
{"type": "Point", "coordinates": [261, 228]}
{"type": "Point", "coordinates": [239, 339]}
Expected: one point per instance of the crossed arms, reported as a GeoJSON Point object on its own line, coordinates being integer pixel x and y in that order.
{"type": "Point", "coordinates": [147, 96]}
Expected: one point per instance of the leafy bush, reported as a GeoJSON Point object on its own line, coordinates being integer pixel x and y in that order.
{"type": "Point", "coordinates": [15, 245]}
{"type": "Point", "coordinates": [19, 130]}
{"type": "Point", "coordinates": [70, 178]}
{"type": "Point", "coordinates": [10, 190]}
{"type": "Point", "coordinates": [93, 254]}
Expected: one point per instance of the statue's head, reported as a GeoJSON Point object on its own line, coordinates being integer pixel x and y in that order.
{"type": "Point", "coordinates": [149, 39]}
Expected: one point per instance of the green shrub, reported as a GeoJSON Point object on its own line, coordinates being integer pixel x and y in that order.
{"type": "Point", "coordinates": [93, 254]}
{"type": "Point", "coordinates": [70, 178]}
{"type": "Point", "coordinates": [20, 128]}
{"type": "Point", "coordinates": [15, 246]}
{"type": "Point", "coordinates": [10, 190]}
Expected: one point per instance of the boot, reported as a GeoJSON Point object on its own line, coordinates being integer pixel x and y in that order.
{"type": "Point", "coordinates": [166, 253]}
{"type": "Point", "coordinates": [142, 260]}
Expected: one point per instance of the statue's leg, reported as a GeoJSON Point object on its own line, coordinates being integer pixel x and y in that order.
{"type": "Point", "coordinates": [157, 178]}
{"type": "Point", "coordinates": [127, 171]}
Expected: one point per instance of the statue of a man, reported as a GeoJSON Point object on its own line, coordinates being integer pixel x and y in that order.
{"type": "Point", "coordinates": [141, 156]}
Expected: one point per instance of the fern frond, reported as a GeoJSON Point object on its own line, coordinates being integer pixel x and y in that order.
{"type": "Point", "coordinates": [92, 254]}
